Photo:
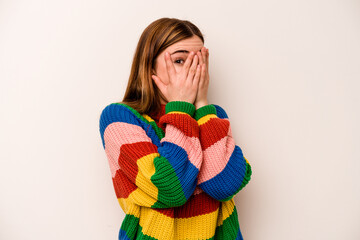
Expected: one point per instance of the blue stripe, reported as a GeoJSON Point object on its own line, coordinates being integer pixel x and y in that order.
{"type": "Point", "coordinates": [239, 236]}
{"type": "Point", "coordinates": [122, 235]}
{"type": "Point", "coordinates": [119, 113]}
{"type": "Point", "coordinates": [220, 112]}
{"type": "Point", "coordinates": [185, 170]}
{"type": "Point", "coordinates": [225, 184]}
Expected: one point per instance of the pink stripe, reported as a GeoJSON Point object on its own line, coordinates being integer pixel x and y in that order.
{"type": "Point", "coordinates": [118, 133]}
{"type": "Point", "coordinates": [216, 157]}
{"type": "Point", "coordinates": [191, 145]}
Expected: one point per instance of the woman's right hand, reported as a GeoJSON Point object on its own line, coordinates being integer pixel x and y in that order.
{"type": "Point", "coordinates": [182, 85]}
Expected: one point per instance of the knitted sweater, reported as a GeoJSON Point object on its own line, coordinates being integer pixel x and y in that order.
{"type": "Point", "coordinates": [175, 174]}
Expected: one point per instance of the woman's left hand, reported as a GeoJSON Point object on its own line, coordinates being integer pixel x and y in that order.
{"type": "Point", "coordinates": [201, 97]}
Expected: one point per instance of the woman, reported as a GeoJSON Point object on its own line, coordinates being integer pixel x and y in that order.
{"type": "Point", "coordinates": [175, 167]}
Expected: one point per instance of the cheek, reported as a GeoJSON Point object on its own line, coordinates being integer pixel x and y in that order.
{"type": "Point", "coordinates": [178, 67]}
{"type": "Point", "coordinates": [162, 73]}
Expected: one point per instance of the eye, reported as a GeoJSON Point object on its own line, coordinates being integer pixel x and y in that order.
{"type": "Point", "coordinates": [177, 61]}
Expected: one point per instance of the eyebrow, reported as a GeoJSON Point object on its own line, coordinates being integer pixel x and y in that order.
{"type": "Point", "coordinates": [181, 51]}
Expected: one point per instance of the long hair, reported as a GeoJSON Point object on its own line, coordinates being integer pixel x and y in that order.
{"type": "Point", "coordinates": [142, 94]}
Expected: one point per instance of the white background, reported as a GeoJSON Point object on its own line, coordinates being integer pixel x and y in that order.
{"type": "Point", "coordinates": [286, 72]}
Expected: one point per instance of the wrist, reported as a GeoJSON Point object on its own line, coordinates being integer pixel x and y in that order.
{"type": "Point", "coordinates": [201, 104]}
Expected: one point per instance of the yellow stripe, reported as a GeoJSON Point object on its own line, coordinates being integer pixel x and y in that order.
{"type": "Point", "coordinates": [147, 117]}
{"type": "Point", "coordinates": [178, 112]}
{"type": "Point", "coordinates": [138, 197]}
{"type": "Point", "coordinates": [146, 169]}
{"type": "Point", "coordinates": [156, 224]}
{"type": "Point", "coordinates": [129, 207]}
{"type": "Point", "coordinates": [160, 226]}
{"type": "Point", "coordinates": [227, 209]}
{"type": "Point", "coordinates": [198, 227]}
{"type": "Point", "coordinates": [206, 118]}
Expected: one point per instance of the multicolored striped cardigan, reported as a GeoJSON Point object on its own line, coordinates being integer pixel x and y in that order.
{"type": "Point", "coordinates": [176, 181]}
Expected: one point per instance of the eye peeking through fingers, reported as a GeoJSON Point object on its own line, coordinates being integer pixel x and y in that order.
{"type": "Point", "coordinates": [177, 61]}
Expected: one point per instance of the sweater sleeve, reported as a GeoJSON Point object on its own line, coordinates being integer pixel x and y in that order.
{"type": "Point", "coordinates": [225, 170]}
{"type": "Point", "coordinates": [148, 171]}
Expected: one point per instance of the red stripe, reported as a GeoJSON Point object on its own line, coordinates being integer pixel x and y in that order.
{"type": "Point", "coordinates": [186, 123]}
{"type": "Point", "coordinates": [125, 179]}
{"type": "Point", "coordinates": [212, 131]}
{"type": "Point", "coordinates": [122, 185]}
{"type": "Point", "coordinates": [199, 204]}
{"type": "Point", "coordinates": [131, 153]}
{"type": "Point", "coordinates": [166, 211]}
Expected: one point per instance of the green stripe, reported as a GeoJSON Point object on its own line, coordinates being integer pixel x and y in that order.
{"type": "Point", "coordinates": [141, 235]}
{"type": "Point", "coordinates": [247, 176]}
{"type": "Point", "coordinates": [181, 106]}
{"type": "Point", "coordinates": [159, 132]}
{"type": "Point", "coordinates": [166, 180]}
{"type": "Point", "coordinates": [227, 231]}
{"type": "Point", "coordinates": [245, 180]}
{"type": "Point", "coordinates": [164, 173]}
{"type": "Point", "coordinates": [204, 110]}
{"type": "Point", "coordinates": [229, 228]}
{"type": "Point", "coordinates": [129, 225]}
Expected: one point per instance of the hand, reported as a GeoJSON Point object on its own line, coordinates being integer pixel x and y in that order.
{"type": "Point", "coordinates": [201, 97]}
{"type": "Point", "coordinates": [183, 85]}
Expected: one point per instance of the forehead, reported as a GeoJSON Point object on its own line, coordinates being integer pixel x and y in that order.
{"type": "Point", "coordinates": [190, 44]}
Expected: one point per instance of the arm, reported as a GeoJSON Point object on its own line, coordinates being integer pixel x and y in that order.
{"type": "Point", "coordinates": [224, 171]}
{"type": "Point", "coordinates": [148, 171]}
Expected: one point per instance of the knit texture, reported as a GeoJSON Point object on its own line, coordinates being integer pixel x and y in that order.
{"type": "Point", "coordinates": [175, 172]}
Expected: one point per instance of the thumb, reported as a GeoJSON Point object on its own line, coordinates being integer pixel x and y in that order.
{"type": "Point", "coordinates": [159, 83]}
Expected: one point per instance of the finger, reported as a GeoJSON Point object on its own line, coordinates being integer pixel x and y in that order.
{"type": "Point", "coordinates": [203, 74]}
{"type": "Point", "coordinates": [158, 83]}
{"type": "Point", "coordinates": [188, 62]}
{"type": "Point", "coordinates": [192, 69]}
{"type": "Point", "coordinates": [201, 57]}
{"type": "Point", "coordinates": [169, 66]}
{"type": "Point", "coordinates": [207, 57]}
{"type": "Point", "coordinates": [197, 75]}
{"type": "Point", "coordinates": [207, 64]}
{"type": "Point", "coordinates": [203, 53]}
